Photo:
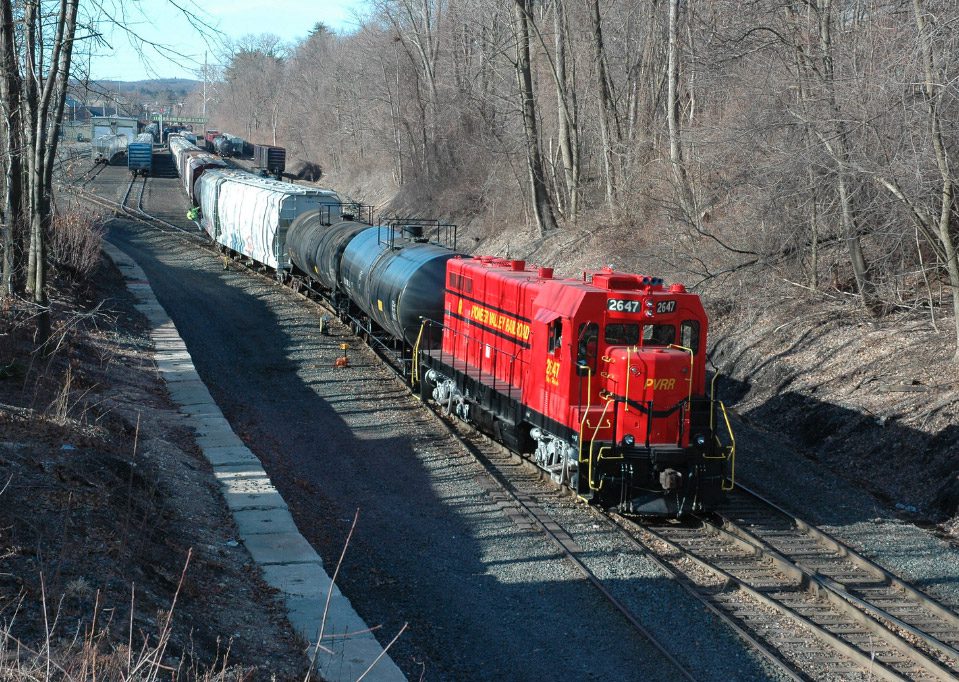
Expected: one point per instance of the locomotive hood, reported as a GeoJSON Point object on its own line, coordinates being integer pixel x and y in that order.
{"type": "Point", "coordinates": [649, 382]}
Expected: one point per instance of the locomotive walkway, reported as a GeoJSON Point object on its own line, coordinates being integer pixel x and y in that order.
{"type": "Point", "coordinates": [289, 564]}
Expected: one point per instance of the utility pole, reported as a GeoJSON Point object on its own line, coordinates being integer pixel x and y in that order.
{"type": "Point", "coordinates": [204, 82]}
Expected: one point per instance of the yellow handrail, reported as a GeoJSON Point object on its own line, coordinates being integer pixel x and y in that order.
{"type": "Point", "coordinates": [415, 365]}
{"type": "Point", "coordinates": [629, 357]}
{"type": "Point", "coordinates": [712, 399]}
{"type": "Point", "coordinates": [728, 453]}
{"type": "Point", "coordinates": [592, 442]}
{"type": "Point", "coordinates": [589, 396]}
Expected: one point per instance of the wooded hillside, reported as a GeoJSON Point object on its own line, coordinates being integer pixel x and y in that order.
{"type": "Point", "coordinates": [815, 142]}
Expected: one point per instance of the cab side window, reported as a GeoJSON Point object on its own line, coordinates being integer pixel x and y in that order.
{"type": "Point", "coordinates": [555, 335]}
{"type": "Point", "coordinates": [587, 345]}
{"type": "Point", "coordinates": [689, 335]}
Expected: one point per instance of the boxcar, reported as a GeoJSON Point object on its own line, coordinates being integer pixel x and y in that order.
{"type": "Point", "coordinates": [270, 159]}
{"type": "Point", "coordinates": [109, 149]}
{"type": "Point", "coordinates": [140, 155]}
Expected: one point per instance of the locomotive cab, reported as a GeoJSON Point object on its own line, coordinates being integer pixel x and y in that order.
{"type": "Point", "coordinates": [637, 404]}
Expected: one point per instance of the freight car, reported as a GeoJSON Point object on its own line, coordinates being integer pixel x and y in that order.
{"type": "Point", "coordinates": [140, 155]}
{"type": "Point", "coordinates": [208, 138]}
{"type": "Point", "coordinates": [191, 162]}
{"type": "Point", "coordinates": [269, 159]}
{"type": "Point", "coordinates": [109, 149]}
{"type": "Point", "coordinates": [600, 381]}
{"type": "Point", "coordinates": [228, 145]}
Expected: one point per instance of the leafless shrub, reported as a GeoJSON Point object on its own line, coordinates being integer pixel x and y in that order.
{"type": "Point", "coordinates": [75, 239]}
{"type": "Point", "coordinates": [320, 636]}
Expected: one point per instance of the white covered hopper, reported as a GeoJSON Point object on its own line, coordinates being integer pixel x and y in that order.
{"type": "Point", "coordinates": [250, 214]}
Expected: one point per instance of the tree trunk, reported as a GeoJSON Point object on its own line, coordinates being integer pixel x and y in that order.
{"type": "Point", "coordinates": [44, 97]}
{"type": "Point", "coordinates": [605, 109]}
{"type": "Point", "coordinates": [839, 149]}
{"type": "Point", "coordinates": [11, 209]}
{"type": "Point", "coordinates": [931, 90]}
{"type": "Point", "coordinates": [566, 101]}
{"type": "Point", "coordinates": [683, 188]}
{"type": "Point", "coordinates": [542, 204]}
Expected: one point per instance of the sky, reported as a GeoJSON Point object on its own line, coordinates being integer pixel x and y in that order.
{"type": "Point", "coordinates": [161, 22]}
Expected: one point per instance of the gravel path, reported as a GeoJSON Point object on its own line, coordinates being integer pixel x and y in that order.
{"type": "Point", "coordinates": [485, 599]}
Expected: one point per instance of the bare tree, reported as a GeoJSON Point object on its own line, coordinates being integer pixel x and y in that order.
{"type": "Point", "coordinates": [11, 210]}
{"type": "Point", "coordinates": [44, 89]}
{"type": "Point", "coordinates": [608, 122]}
{"type": "Point", "coordinates": [542, 204]}
{"type": "Point", "coordinates": [932, 89]}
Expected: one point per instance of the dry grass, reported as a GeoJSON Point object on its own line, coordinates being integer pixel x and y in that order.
{"type": "Point", "coordinates": [75, 239]}
{"type": "Point", "coordinates": [92, 651]}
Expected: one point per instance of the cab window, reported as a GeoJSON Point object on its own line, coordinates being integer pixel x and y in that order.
{"type": "Point", "coordinates": [689, 335]}
{"type": "Point", "coordinates": [622, 334]}
{"type": "Point", "coordinates": [658, 334]}
{"type": "Point", "coordinates": [555, 335]}
{"type": "Point", "coordinates": [587, 342]}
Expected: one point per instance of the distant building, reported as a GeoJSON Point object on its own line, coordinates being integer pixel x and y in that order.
{"type": "Point", "coordinates": [113, 125]}
{"type": "Point", "coordinates": [87, 122]}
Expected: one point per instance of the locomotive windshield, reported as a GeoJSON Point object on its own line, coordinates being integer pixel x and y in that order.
{"type": "Point", "coordinates": [622, 334]}
{"type": "Point", "coordinates": [658, 334]}
{"type": "Point", "coordinates": [629, 334]}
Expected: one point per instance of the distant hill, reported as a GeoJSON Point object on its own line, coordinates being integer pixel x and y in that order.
{"type": "Point", "coordinates": [155, 84]}
{"type": "Point", "coordinates": [160, 88]}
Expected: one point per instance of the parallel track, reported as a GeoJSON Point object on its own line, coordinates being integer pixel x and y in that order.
{"type": "Point", "coordinates": [849, 581]}
{"type": "Point", "coordinates": [812, 606]}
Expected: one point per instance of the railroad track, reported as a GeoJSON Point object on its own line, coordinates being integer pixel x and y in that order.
{"type": "Point", "coordinates": [520, 494]}
{"type": "Point", "coordinates": [802, 597]}
{"type": "Point", "coordinates": [847, 579]}
{"type": "Point", "coordinates": [812, 606]}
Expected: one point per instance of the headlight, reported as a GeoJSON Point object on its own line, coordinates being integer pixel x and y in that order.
{"type": "Point", "coordinates": [628, 440]}
{"type": "Point", "coordinates": [701, 440]}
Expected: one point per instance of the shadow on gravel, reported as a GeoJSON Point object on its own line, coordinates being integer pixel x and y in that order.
{"type": "Point", "coordinates": [163, 167]}
{"type": "Point", "coordinates": [482, 599]}
{"type": "Point", "coordinates": [888, 459]}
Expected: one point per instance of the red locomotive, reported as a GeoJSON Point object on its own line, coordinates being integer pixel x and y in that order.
{"type": "Point", "coordinates": [602, 379]}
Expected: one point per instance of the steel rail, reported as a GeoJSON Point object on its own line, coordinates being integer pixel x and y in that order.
{"type": "Point", "coordinates": [682, 580]}
{"type": "Point", "coordinates": [553, 531]}
{"type": "Point", "coordinates": [859, 577]}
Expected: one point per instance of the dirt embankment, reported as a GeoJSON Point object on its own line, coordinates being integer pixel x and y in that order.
{"type": "Point", "coordinates": [117, 552]}
{"type": "Point", "coordinates": [874, 400]}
